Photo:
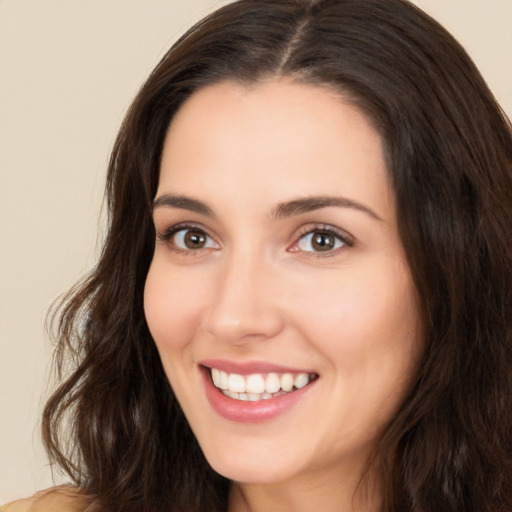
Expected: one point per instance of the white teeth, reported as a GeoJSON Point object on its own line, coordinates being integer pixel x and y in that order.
{"type": "Point", "coordinates": [216, 377]}
{"type": "Point", "coordinates": [301, 380]}
{"type": "Point", "coordinates": [255, 384]}
{"type": "Point", "coordinates": [236, 383]}
{"type": "Point", "coordinates": [287, 382]}
{"type": "Point", "coordinates": [272, 383]}
{"type": "Point", "coordinates": [223, 380]}
{"type": "Point", "coordinates": [256, 387]}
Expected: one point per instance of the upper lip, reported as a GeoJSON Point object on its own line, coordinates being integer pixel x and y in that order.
{"type": "Point", "coordinates": [249, 367]}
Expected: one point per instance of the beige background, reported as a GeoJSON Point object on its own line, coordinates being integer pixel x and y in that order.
{"type": "Point", "coordinates": [68, 69]}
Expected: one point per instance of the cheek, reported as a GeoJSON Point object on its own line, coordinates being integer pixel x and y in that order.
{"type": "Point", "coordinates": [366, 324]}
{"type": "Point", "coordinates": [171, 308]}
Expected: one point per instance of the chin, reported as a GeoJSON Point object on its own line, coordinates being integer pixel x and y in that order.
{"type": "Point", "coordinates": [260, 470]}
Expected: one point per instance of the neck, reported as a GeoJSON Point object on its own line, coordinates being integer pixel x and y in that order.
{"type": "Point", "coordinates": [306, 493]}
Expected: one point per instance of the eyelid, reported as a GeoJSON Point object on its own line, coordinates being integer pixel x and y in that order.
{"type": "Point", "coordinates": [166, 235]}
{"type": "Point", "coordinates": [347, 239]}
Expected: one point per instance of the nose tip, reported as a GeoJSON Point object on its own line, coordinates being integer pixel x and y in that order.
{"type": "Point", "coordinates": [238, 328]}
{"type": "Point", "coordinates": [242, 307]}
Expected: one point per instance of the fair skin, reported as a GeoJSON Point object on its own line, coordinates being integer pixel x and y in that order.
{"type": "Point", "coordinates": [278, 253]}
{"type": "Point", "coordinates": [63, 498]}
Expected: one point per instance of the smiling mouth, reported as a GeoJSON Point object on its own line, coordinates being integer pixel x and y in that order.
{"type": "Point", "coordinates": [259, 386]}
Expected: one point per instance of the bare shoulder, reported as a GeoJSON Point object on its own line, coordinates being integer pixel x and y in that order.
{"type": "Point", "coordinates": [62, 499]}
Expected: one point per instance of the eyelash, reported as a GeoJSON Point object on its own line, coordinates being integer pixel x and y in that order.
{"type": "Point", "coordinates": [168, 234]}
{"type": "Point", "coordinates": [346, 240]}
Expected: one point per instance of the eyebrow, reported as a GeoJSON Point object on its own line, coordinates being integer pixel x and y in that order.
{"type": "Point", "coordinates": [281, 211]}
{"type": "Point", "coordinates": [308, 204]}
{"type": "Point", "coordinates": [183, 203]}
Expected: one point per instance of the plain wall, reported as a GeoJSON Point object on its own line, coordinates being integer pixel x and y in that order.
{"type": "Point", "coordinates": [68, 70]}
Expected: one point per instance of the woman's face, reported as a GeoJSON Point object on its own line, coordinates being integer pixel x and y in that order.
{"type": "Point", "coordinates": [279, 275]}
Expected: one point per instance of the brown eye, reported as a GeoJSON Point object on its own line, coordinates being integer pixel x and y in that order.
{"type": "Point", "coordinates": [321, 241]}
{"type": "Point", "coordinates": [191, 239]}
{"type": "Point", "coordinates": [194, 239]}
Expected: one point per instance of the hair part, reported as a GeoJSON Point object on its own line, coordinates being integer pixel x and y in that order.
{"type": "Point", "coordinates": [449, 154]}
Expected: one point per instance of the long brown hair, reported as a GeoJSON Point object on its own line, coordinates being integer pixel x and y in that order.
{"type": "Point", "coordinates": [449, 154]}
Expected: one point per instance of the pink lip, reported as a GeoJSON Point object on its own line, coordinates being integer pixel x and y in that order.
{"type": "Point", "coordinates": [249, 367]}
{"type": "Point", "coordinates": [251, 412]}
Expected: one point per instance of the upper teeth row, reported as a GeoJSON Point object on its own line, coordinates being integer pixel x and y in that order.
{"type": "Point", "coordinates": [258, 383]}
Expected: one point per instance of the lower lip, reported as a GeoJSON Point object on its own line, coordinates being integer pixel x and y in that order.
{"type": "Point", "coordinates": [251, 412]}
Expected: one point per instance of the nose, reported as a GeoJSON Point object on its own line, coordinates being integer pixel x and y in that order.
{"type": "Point", "coordinates": [243, 304]}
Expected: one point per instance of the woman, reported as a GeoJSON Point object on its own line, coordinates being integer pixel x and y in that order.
{"type": "Point", "coordinates": [304, 298]}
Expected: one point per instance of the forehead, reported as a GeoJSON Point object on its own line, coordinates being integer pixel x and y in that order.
{"type": "Point", "coordinates": [272, 139]}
